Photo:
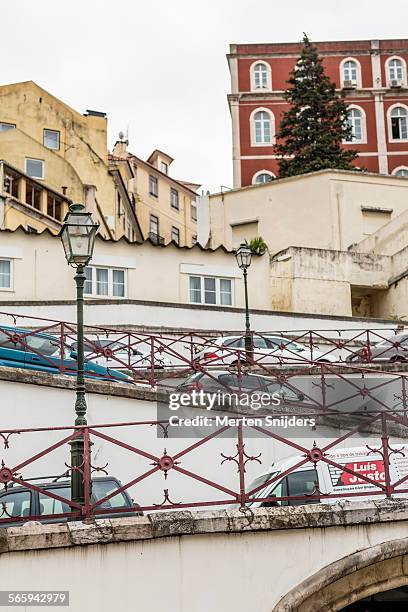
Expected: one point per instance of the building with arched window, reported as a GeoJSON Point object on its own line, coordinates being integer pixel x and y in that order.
{"type": "Point", "coordinates": [371, 75]}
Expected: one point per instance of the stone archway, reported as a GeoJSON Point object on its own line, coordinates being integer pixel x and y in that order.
{"type": "Point", "coordinates": [364, 573]}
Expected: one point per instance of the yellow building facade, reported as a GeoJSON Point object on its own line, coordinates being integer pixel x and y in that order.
{"type": "Point", "coordinates": [166, 208]}
{"type": "Point", "coordinates": [47, 147]}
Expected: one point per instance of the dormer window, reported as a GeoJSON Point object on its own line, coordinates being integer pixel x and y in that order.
{"type": "Point", "coordinates": [164, 167]}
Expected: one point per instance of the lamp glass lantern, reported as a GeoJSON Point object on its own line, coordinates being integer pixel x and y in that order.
{"type": "Point", "coordinates": [78, 235]}
{"type": "Point", "coordinates": [243, 256]}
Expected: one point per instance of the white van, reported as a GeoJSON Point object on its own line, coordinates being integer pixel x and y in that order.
{"type": "Point", "coordinates": [330, 479]}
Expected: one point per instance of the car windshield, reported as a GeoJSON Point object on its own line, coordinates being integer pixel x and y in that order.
{"type": "Point", "coordinates": [258, 482]}
{"type": "Point", "coordinates": [391, 341]}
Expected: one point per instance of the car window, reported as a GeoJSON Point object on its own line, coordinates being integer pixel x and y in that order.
{"type": "Point", "coordinates": [243, 382]}
{"type": "Point", "coordinates": [286, 393]}
{"type": "Point", "coordinates": [43, 345]}
{"type": "Point", "coordinates": [301, 483]}
{"type": "Point", "coordinates": [259, 342]}
{"type": "Point", "coordinates": [102, 488]}
{"type": "Point", "coordinates": [194, 378]}
{"type": "Point", "coordinates": [284, 342]}
{"type": "Point", "coordinates": [49, 505]}
{"type": "Point", "coordinates": [278, 490]}
{"type": "Point", "coordinates": [16, 503]}
{"type": "Point", "coordinates": [234, 343]}
{"type": "Point", "coordinates": [5, 341]}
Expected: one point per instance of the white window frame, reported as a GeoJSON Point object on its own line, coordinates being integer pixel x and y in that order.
{"type": "Point", "coordinates": [394, 172]}
{"type": "Point", "coordinates": [217, 290]}
{"type": "Point", "coordinates": [59, 139]}
{"type": "Point", "coordinates": [268, 86]}
{"type": "Point", "coordinates": [252, 121]}
{"type": "Point", "coordinates": [404, 70]}
{"type": "Point", "coordinates": [164, 167]}
{"type": "Point", "coordinates": [154, 194]}
{"type": "Point", "coordinates": [363, 139]}
{"type": "Point", "coordinates": [271, 174]}
{"type": "Point", "coordinates": [27, 159]}
{"type": "Point", "coordinates": [11, 262]}
{"type": "Point", "coordinates": [109, 295]}
{"type": "Point", "coordinates": [358, 66]}
{"type": "Point", "coordinates": [389, 124]}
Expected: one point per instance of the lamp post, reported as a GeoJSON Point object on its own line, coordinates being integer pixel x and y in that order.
{"type": "Point", "coordinates": [78, 238]}
{"type": "Point", "coordinates": [243, 256]}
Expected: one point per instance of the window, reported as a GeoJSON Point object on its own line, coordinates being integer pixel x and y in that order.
{"type": "Point", "coordinates": [401, 172]}
{"type": "Point", "coordinates": [49, 505]}
{"type": "Point", "coordinates": [102, 281]}
{"type": "Point", "coordinates": [118, 283]}
{"type": "Point", "coordinates": [52, 139]}
{"type": "Point", "coordinates": [154, 225]}
{"type": "Point", "coordinates": [261, 76]}
{"type": "Point", "coordinates": [350, 71]}
{"type": "Point", "coordinates": [174, 198]}
{"type": "Point", "coordinates": [5, 273]}
{"type": "Point", "coordinates": [399, 123]}
{"type": "Point", "coordinates": [164, 167]}
{"type": "Point", "coordinates": [193, 211]}
{"type": "Point", "coordinates": [34, 168]}
{"type": "Point", "coordinates": [105, 282]}
{"type": "Point", "coordinates": [88, 280]}
{"type": "Point", "coordinates": [210, 290]}
{"type": "Point", "coordinates": [261, 128]}
{"type": "Point", "coordinates": [16, 503]}
{"type": "Point", "coordinates": [6, 126]}
{"type": "Point", "coordinates": [102, 489]}
{"type": "Point", "coordinates": [262, 177]}
{"type": "Point", "coordinates": [355, 121]}
{"type": "Point", "coordinates": [154, 186]}
{"type": "Point", "coordinates": [33, 195]}
{"type": "Point", "coordinates": [11, 182]}
{"type": "Point", "coordinates": [395, 70]}
{"type": "Point", "coordinates": [54, 207]}
{"type": "Point", "coordinates": [175, 234]}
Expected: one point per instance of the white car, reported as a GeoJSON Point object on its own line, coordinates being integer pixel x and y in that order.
{"type": "Point", "coordinates": [117, 355]}
{"type": "Point", "coordinates": [229, 350]}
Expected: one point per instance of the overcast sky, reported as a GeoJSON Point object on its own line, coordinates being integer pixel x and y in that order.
{"type": "Point", "coordinates": [159, 69]}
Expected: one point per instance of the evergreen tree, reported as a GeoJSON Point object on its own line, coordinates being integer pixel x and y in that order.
{"type": "Point", "coordinates": [312, 130]}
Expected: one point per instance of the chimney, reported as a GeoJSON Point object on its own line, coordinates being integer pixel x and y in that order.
{"type": "Point", "coordinates": [121, 145]}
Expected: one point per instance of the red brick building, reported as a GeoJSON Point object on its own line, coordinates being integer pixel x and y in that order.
{"type": "Point", "coordinates": [371, 73]}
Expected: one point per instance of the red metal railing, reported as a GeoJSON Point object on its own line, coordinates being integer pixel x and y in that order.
{"type": "Point", "coordinates": [221, 478]}
{"type": "Point", "coordinates": [147, 358]}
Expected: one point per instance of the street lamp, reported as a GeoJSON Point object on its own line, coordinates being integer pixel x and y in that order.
{"type": "Point", "coordinates": [78, 238]}
{"type": "Point", "coordinates": [243, 256]}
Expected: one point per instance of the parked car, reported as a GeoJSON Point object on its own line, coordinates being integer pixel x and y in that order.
{"type": "Point", "coordinates": [111, 353]}
{"type": "Point", "coordinates": [392, 350]}
{"type": "Point", "coordinates": [23, 348]}
{"type": "Point", "coordinates": [308, 479]}
{"type": "Point", "coordinates": [21, 501]}
{"type": "Point", "coordinates": [225, 380]}
{"type": "Point", "coordinates": [268, 349]}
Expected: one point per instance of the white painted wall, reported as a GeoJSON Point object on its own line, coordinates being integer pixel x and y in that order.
{"type": "Point", "coordinates": [228, 572]}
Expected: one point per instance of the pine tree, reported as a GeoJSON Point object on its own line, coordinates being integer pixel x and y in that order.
{"type": "Point", "coordinates": [312, 130]}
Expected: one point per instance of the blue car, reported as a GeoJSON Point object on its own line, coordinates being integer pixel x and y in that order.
{"type": "Point", "coordinates": [23, 348]}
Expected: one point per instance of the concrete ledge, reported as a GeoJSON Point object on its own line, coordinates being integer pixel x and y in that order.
{"type": "Point", "coordinates": [36, 536]}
